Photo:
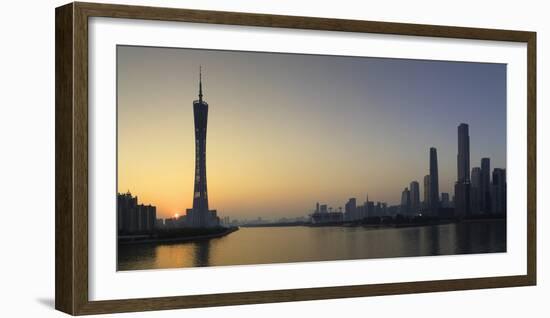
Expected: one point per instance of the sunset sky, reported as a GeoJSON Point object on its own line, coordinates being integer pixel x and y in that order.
{"type": "Point", "coordinates": [287, 130]}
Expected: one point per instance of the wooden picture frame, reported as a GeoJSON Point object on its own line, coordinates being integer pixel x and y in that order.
{"type": "Point", "coordinates": [71, 124]}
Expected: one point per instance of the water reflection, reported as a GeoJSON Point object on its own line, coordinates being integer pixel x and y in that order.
{"type": "Point", "coordinates": [202, 251]}
{"type": "Point", "coordinates": [298, 244]}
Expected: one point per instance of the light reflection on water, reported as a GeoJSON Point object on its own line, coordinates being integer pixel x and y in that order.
{"type": "Point", "coordinates": [263, 245]}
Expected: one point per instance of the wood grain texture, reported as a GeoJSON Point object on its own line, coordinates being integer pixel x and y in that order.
{"type": "Point", "coordinates": [64, 236]}
{"type": "Point", "coordinates": [72, 157]}
{"type": "Point", "coordinates": [532, 158]}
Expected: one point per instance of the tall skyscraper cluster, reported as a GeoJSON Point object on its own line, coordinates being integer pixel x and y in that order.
{"type": "Point", "coordinates": [133, 217]}
{"type": "Point", "coordinates": [410, 197]}
{"type": "Point", "coordinates": [476, 191]}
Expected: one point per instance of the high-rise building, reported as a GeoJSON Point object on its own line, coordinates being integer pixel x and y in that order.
{"type": "Point", "coordinates": [445, 201]}
{"type": "Point", "coordinates": [462, 185]}
{"type": "Point", "coordinates": [350, 209]}
{"type": "Point", "coordinates": [463, 156]}
{"type": "Point", "coordinates": [475, 190]}
{"type": "Point", "coordinates": [462, 199]}
{"type": "Point", "coordinates": [498, 192]}
{"type": "Point", "coordinates": [485, 184]}
{"type": "Point", "coordinates": [405, 202]}
{"type": "Point", "coordinates": [133, 217]}
{"type": "Point", "coordinates": [126, 210]}
{"type": "Point", "coordinates": [434, 183]}
{"type": "Point", "coordinates": [200, 216]}
{"type": "Point", "coordinates": [426, 203]}
{"type": "Point", "coordinates": [414, 189]}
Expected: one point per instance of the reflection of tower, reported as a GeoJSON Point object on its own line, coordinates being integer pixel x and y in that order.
{"type": "Point", "coordinates": [202, 253]}
{"type": "Point", "coordinates": [434, 183]}
{"type": "Point", "coordinates": [200, 216]}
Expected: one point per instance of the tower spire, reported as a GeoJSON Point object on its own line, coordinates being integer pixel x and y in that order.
{"type": "Point", "coordinates": [200, 83]}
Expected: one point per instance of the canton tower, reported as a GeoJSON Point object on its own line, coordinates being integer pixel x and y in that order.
{"type": "Point", "coordinates": [200, 216]}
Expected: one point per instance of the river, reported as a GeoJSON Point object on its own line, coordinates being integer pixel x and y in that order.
{"type": "Point", "coordinates": [264, 245]}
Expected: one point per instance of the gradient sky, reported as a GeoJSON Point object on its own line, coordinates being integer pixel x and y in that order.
{"type": "Point", "coordinates": [288, 130]}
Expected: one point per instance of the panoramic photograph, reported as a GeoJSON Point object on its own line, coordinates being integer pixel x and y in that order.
{"type": "Point", "coordinates": [250, 158]}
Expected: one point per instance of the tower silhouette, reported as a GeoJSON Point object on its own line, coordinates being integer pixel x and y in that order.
{"type": "Point", "coordinates": [200, 112]}
{"type": "Point", "coordinates": [434, 183]}
{"type": "Point", "coordinates": [463, 185]}
{"type": "Point", "coordinates": [200, 215]}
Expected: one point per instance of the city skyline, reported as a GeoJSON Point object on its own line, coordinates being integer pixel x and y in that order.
{"type": "Point", "coordinates": [269, 156]}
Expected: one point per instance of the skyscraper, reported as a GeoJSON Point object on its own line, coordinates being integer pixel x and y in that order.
{"type": "Point", "coordinates": [133, 217]}
{"type": "Point", "coordinates": [485, 184]}
{"type": "Point", "coordinates": [462, 185]}
{"type": "Point", "coordinates": [405, 202]}
{"type": "Point", "coordinates": [426, 202]}
{"type": "Point", "coordinates": [434, 183]}
{"type": "Point", "coordinates": [200, 215]}
{"type": "Point", "coordinates": [445, 201]}
{"type": "Point", "coordinates": [498, 192]}
{"type": "Point", "coordinates": [350, 209]}
{"type": "Point", "coordinates": [463, 156]}
{"type": "Point", "coordinates": [475, 190]}
{"type": "Point", "coordinates": [414, 189]}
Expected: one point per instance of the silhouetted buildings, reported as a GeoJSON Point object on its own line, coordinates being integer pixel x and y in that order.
{"type": "Point", "coordinates": [405, 202]}
{"type": "Point", "coordinates": [372, 210]}
{"type": "Point", "coordinates": [350, 210]}
{"type": "Point", "coordinates": [200, 216]}
{"type": "Point", "coordinates": [353, 212]}
{"type": "Point", "coordinates": [434, 183]}
{"type": "Point", "coordinates": [133, 217]}
{"type": "Point", "coordinates": [498, 191]}
{"type": "Point", "coordinates": [426, 202]}
{"type": "Point", "coordinates": [475, 191]}
{"type": "Point", "coordinates": [414, 189]}
{"type": "Point", "coordinates": [485, 185]}
{"type": "Point", "coordinates": [462, 185]}
{"type": "Point", "coordinates": [323, 216]}
{"type": "Point", "coordinates": [463, 156]}
{"type": "Point", "coordinates": [445, 202]}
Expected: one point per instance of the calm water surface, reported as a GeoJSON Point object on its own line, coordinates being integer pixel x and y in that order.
{"type": "Point", "coordinates": [262, 245]}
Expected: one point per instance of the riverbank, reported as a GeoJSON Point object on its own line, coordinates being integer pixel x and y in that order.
{"type": "Point", "coordinates": [383, 223]}
{"type": "Point", "coordinates": [174, 237]}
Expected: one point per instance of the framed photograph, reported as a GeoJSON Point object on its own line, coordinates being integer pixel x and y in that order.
{"type": "Point", "coordinates": [211, 158]}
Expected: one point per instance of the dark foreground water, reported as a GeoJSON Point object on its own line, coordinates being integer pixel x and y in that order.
{"type": "Point", "coordinates": [263, 245]}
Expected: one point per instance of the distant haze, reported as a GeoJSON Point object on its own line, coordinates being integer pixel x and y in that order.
{"type": "Point", "coordinates": [288, 130]}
